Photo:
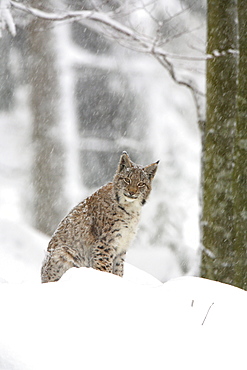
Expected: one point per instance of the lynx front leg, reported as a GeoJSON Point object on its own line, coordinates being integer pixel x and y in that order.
{"type": "Point", "coordinates": [118, 264]}
{"type": "Point", "coordinates": [58, 262]}
{"type": "Point", "coordinates": [102, 258]}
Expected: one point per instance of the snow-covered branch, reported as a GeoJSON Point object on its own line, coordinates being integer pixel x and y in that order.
{"type": "Point", "coordinates": [6, 18]}
{"type": "Point", "coordinates": [145, 43]}
{"type": "Point", "coordinates": [126, 35]}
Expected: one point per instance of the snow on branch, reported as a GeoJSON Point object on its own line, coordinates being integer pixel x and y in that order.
{"type": "Point", "coordinates": [144, 43]}
{"type": "Point", "coordinates": [6, 18]}
{"type": "Point", "coordinates": [92, 15]}
{"type": "Point", "coordinates": [125, 35]}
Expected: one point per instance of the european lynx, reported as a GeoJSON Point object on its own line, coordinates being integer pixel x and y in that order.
{"type": "Point", "coordinates": [99, 230]}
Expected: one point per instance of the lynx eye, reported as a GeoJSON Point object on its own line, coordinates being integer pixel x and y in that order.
{"type": "Point", "coordinates": [140, 184]}
{"type": "Point", "coordinates": [126, 180]}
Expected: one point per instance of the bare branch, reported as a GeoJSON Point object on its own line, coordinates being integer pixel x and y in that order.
{"type": "Point", "coordinates": [182, 11]}
{"type": "Point", "coordinates": [179, 34]}
{"type": "Point", "coordinates": [197, 95]}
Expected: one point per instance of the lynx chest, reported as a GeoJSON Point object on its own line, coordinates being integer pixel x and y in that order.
{"type": "Point", "coordinates": [127, 226]}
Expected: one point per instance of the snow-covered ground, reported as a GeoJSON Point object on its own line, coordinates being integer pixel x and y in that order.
{"type": "Point", "coordinates": [21, 253]}
{"type": "Point", "coordinates": [91, 320]}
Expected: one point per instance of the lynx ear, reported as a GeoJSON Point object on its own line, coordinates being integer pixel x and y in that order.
{"type": "Point", "coordinates": [151, 170]}
{"type": "Point", "coordinates": [124, 162]}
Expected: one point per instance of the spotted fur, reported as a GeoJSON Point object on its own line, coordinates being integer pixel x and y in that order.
{"type": "Point", "coordinates": [99, 230]}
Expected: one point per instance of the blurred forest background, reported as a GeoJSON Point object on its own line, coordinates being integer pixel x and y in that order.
{"type": "Point", "coordinates": [71, 100]}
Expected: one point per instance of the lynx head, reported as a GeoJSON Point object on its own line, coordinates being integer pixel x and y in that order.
{"type": "Point", "coordinates": [132, 182]}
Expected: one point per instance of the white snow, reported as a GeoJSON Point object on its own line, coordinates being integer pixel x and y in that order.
{"type": "Point", "coordinates": [21, 252]}
{"type": "Point", "coordinates": [91, 320]}
{"type": "Point", "coordinates": [160, 262]}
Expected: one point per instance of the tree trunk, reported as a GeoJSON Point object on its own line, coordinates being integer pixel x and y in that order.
{"type": "Point", "coordinates": [240, 169]}
{"type": "Point", "coordinates": [217, 223]}
{"type": "Point", "coordinates": [48, 163]}
{"type": "Point", "coordinates": [6, 78]}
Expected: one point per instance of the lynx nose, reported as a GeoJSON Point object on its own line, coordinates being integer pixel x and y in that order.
{"type": "Point", "coordinates": [132, 192]}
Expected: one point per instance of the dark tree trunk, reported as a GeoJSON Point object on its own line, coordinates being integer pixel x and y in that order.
{"type": "Point", "coordinates": [240, 169]}
{"type": "Point", "coordinates": [217, 224]}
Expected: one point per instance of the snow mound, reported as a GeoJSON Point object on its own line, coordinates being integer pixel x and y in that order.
{"type": "Point", "coordinates": [21, 252]}
{"type": "Point", "coordinates": [91, 320]}
{"type": "Point", "coordinates": [161, 262]}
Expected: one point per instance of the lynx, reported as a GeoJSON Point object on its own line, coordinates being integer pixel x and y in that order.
{"type": "Point", "coordinates": [100, 229]}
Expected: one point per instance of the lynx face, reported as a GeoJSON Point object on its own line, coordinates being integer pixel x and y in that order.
{"type": "Point", "coordinates": [133, 182]}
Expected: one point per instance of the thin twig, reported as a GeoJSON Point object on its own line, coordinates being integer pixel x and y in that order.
{"type": "Point", "coordinates": [207, 313]}
{"type": "Point", "coordinates": [197, 95]}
